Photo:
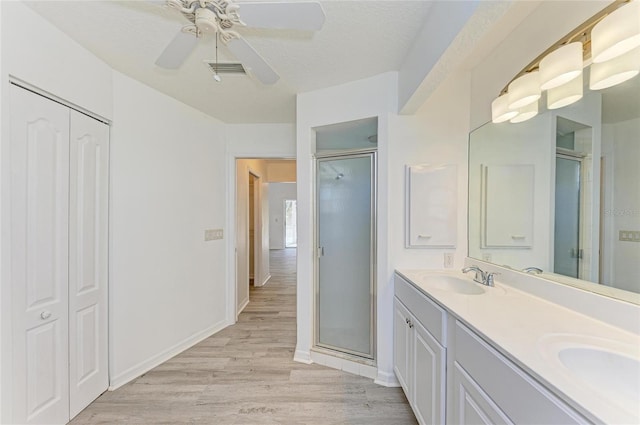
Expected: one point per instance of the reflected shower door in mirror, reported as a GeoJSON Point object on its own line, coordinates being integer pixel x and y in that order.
{"type": "Point", "coordinates": [576, 212]}
{"type": "Point", "coordinates": [345, 205]}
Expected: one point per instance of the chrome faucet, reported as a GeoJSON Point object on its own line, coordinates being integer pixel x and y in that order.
{"type": "Point", "coordinates": [534, 270]}
{"type": "Point", "coordinates": [480, 276]}
{"type": "Point", "coordinates": [485, 278]}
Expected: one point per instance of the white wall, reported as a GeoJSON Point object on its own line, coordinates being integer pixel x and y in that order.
{"type": "Point", "coordinates": [622, 211]}
{"type": "Point", "coordinates": [371, 97]}
{"type": "Point", "coordinates": [278, 193]}
{"type": "Point", "coordinates": [34, 51]}
{"type": "Point", "coordinates": [436, 134]}
{"type": "Point", "coordinates": [167, 177]}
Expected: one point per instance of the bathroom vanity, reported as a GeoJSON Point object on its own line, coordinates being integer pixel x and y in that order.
{"type": "Point", "coordinates": [469, 353]}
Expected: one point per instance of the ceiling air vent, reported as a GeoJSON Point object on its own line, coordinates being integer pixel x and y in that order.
{"type": "Point", "coordinates": [225, 68]}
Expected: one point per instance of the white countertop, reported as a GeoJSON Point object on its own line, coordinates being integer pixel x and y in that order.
{"type": "Point", "coordinates": [530, 331]}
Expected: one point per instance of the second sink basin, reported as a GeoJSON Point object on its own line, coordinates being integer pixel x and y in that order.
{"type": "Point", "coordinates": [608, 368]}
{"type": "Point", "coordinates": [609, 372]}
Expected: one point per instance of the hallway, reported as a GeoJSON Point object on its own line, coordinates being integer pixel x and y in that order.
{"type": "Point", "coordinates": [245, 375]}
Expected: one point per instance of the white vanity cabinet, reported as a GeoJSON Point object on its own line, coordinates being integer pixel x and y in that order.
{"type": "Point", "coordinates": [491, 389]}
{"type": "Point", "coordinates": [419, 353]}
{"type": "Point", "coordinates": [440, 361]}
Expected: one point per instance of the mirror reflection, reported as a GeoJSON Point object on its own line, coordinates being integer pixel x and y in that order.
{"type": "Point", "coordinates": [561, 192]}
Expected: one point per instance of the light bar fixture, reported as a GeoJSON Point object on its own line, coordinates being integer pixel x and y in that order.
{"type": "Point", "coordinates": [561, 66]}
{"type": "Point", "coordinates": [617, 33]}
{"type": "Point", "coordinates": [524, 90]}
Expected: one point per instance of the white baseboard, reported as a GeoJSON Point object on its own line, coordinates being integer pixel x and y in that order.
{"type": "Point", "coordinates": [146, 365]}
{"type": "Point", "coordinates": [387, 379]}
{"type": "Point", "coordinates": [264, 282]}
{"type": "Point", "coordinates": [242, 306]}
{"type": "Point", "coordinates": [301, 356]}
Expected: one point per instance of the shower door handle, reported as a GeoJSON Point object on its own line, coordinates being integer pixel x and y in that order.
{"type": "Point", "coordinates": [320, 251]}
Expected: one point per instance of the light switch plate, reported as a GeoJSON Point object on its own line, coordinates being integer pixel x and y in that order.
{"type": "Point", "coordinates": [213, 234]}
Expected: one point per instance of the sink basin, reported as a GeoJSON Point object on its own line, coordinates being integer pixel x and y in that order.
{"type": "Point", "coordinates": [453, 284]}
{"type": "Point", "coordinates": [612, 373]}
{"type": "Point", "coordinates": [608, 368]}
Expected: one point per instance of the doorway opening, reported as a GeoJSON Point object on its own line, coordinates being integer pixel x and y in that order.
{"type": "Point", "coordinates": [255, 220]}
{"type": "Point", "coordinates": [575, 252]}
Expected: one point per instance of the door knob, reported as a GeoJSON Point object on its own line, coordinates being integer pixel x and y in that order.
{"type": "Point", "coordinates": [45, 315]}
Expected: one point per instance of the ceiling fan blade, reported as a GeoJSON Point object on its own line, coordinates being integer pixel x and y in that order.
{"type": "Point", "coordinates": [252, 61]}
{"type": "Point", "coordinates": [177, 51]}
{"type": "Point", "coordinates": [307, 16]}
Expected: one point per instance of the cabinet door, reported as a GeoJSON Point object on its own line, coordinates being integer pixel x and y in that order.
{"type": "Point", "coordinates": [471, 405]}
{"type": "Point", "coordinates": [428, 376]}
{"type": "Point", "coordinates": [88, 214]}
{"type": "Point", "coordinates": [401, 345]}
{"type": "Point", "coordinates": [39, 258]}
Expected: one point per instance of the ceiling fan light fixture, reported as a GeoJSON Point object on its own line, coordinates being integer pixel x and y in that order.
{"type": "Point", "coordinates": [206, 20]}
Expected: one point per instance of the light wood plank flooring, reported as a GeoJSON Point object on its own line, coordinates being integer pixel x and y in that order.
{"type": "Point", "coordinates": [245, 375]}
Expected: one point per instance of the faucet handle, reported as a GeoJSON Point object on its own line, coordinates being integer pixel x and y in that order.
{"type": "Point", "coordinates": [489, 278]}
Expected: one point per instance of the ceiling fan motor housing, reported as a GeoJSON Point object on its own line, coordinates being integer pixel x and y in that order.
{"type": "Point", "coordinates": [206, 20]}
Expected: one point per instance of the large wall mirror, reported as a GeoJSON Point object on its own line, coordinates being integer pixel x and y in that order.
{"type": "Point", "coordinates": [561, 192]}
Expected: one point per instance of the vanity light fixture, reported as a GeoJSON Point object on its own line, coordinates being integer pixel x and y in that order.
{"type": "Point", "coordinates": [561, 66]}
{"type": "Point", "coordinates": [617, 33]}
{"type": "Point", "coordinates": [615, 71]}
{"type": "Point", "coordinates": [526, 113]}
{"type": "Point", "coordinates": [565, 94]}
{"type": "Point", "coordinates": [524, 90]}
{"type": "Point", "coordinates": [500, 111]}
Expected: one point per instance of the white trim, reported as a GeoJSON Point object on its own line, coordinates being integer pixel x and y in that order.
{"type": "Point", "coordinates": [34, 89]}
{"type": "Point", "coordinates": [264, 282]}
{"type": "Point", "coordinates": [387, 379]}
{"type": "Point", "coordinates": [302, 357]}
{"type": "Point", "coordinates": [244, 304]}
{"type": "Point", "coordinates": [146, 365]}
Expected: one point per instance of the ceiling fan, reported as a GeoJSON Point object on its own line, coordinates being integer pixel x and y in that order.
{"type": "Point", "coordinates": [223, 17]}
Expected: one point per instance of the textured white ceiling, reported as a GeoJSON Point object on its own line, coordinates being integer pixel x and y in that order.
{"type": "Point", "coordinates": [360, 38]}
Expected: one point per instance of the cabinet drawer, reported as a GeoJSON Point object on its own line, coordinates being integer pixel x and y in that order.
{"type": "Point", "coordinates": [517, 394]}
{"type": "Point", "coordinates": [432, 317]}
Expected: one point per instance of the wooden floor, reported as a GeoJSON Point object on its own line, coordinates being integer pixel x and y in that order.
{"type": "Point", "coordinates": [245, 375]}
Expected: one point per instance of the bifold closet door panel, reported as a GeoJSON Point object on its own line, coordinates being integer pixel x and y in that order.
{"type": "Point", "coordinates": [88, 226]}
{"type": "Point", "coordinates": [39, 257]}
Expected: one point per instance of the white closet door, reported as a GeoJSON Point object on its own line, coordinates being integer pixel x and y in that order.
{"type": "Point", "coordinates": [89, 182]}
{"type": "Point", "coordinates": [39, 250]}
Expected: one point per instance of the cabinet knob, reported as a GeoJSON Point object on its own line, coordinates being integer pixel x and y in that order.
{"type": "Point", "coordinates": [407, 320]}
{"type": "Point", "coordinates": [410, 325]}
{"type": "Point", "coordinates": [45, 315]}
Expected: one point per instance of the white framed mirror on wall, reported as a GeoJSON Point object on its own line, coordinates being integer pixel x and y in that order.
{"type": "Point", "coordinates": [557, 192]}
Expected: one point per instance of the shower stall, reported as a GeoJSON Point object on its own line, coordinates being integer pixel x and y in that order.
{"type": "Point", "coordinates": [346, 247]}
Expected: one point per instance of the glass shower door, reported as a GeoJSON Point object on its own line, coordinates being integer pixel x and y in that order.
{"type": "Point", "coordinates": [346, 247]}
{"type": "Point", "coordinates": [567, 250]}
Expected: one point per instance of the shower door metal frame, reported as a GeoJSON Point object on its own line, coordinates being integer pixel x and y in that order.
{"type": "Point", "coordinates": [347, 154]}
